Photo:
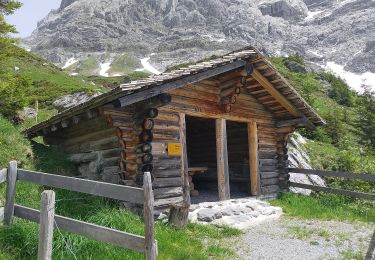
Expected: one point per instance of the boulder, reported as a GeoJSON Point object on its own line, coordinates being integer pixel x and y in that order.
{"type": "Point", "coordinates": [71, 100]}
{"type": "Point", "coordinates": [207, 215]}
{"type": "Point", "coordinates": [286, 9]}
{"type": "Point", "coordinates": [295, 66]}
{"type": "Point", "coordinates": [298, 158]}
{"type": "Point", "coordinates": [29, 112]}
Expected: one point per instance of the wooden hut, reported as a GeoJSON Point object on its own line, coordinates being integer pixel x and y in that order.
{"type": "Point", "coordinates": [222, 123]}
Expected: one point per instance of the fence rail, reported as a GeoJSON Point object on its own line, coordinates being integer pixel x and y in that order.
{"type": "Point", "coordinates": [89, 230]}
{"type": "Point", "coordinates": [102, 189]}
{"type": "Point", "coordinates": [143, 244]}
{"type": "Point", "coordinates": [346, 175]}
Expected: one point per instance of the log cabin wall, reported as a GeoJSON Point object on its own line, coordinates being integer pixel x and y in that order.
{"type": "Point", "coordinates": [268, 159]}
{"type": "Point", "coordinates": [238, 156]}
{"type": "Point", "coordinates": [167, 180]}
{"type": "Point", "coordinates": [92, 145]}
{"type": "Point", "coordinates": [203, 99]}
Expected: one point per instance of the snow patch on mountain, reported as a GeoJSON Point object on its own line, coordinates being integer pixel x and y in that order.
{"type": "Point", "coordinates": [69, 62]}
{"type": "Point", "coordinates": [312, 15]}
{"type": "Point", "coordinates": [104, 67]}
{"type": "Point", "coordinates": [147, 66]}
{"type": "Point", "coordinates": [355, 81]}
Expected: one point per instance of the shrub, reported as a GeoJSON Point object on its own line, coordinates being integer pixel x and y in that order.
{"type": "Point", "coordinates": [339, 91]}
{"type": "Point", "coordinates": [12, 93]}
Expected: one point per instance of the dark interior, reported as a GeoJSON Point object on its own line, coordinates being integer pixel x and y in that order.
{"type": "Point", "coordinates": [201, 149]}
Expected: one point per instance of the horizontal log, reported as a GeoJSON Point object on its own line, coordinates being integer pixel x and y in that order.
{"type": "Point", "coordinates": [91, 146]}
{"type": "Point", "coordinates": [167, 192]}
{"type": "Point", "coordinates": [96, 232]}
{"type": "Point", "coordinates": [214, 114]}
{"type": "Point", "coordinates": [167, 182]}
{"type": "Point", "coordinates": [270, 189]}
{"type": "Point", "coordinates": [266, 175]}
{"type": "Point", "coordinates": [114, 161]}
{"type": "Point", "coordinates": [111, 191]}
{"type": "Point", "coordinates": [194, 95]}
{"type": "Point", "coordinates": [177, 201]}
{"type": "Point", "coordinates": [354, 194]}
{"type": "Point", "coordinates": [111, 170]}
{"type": "Point", "coordinates": [166, 173]}
{"type": "Point", "coordinates": [91, 135]}
{"type": "Point", "coordinates": [198, 86]}
{"type": "Point", "coordinates": [346, 175]}
{"type": "Point", "coordinates": [83, 157]}
{"type": "Point", "coordinates": [148, 93]}
{"type": "Point", "coordinates": [270, 181]}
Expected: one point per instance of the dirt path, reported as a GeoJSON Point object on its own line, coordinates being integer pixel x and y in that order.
{"type": "Point", "coordinates": [291, 238]}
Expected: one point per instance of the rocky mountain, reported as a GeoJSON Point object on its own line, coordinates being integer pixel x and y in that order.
{"type": "Point", "coordinates": [111, 37]}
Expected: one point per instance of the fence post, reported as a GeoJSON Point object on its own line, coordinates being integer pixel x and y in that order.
{"type": "Point", "coordinates": [10, 193]}
{"type": "Point", "coordinates": [47, 215]}
{"type": "Point", "coordinates": [148, 213]}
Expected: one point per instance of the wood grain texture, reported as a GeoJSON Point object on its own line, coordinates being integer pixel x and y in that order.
{"type": "Point", "coordinates": [184, 161]}
{"type": "Point", "coordinates": [333, 190]}
{"type": "Point", "coordinates": [46, 220]}
{"type": "Point", "coordinates": [148, 93]}
{"type": "Point", "coordinates": [275, 93]}
{"type": "Point", "coordinates": [148, 214]}
{"type": "Point", "coordinates": [346, 175]}
{"type": "Point", "coordinates": [253, 158]}
{"type": "Point", "coordinates": [108, 190]}
{"type": "Point", "coordinates": [96, 232]}
{"type": "Point", "coordinates": [222, 159]}
{"type": "Point", "coordinates": [10, 193]}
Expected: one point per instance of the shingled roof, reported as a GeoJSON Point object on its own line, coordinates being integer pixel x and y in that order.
{"type": "Point", "coordinates": [134, 91]}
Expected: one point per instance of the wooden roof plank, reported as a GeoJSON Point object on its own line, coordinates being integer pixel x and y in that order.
{"type": "Point", "coordinates": [275, 93]}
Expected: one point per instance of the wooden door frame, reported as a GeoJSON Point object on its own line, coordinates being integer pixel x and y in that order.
{"type": "Point", "coordinates": [252, 130]}
{"type": "Point", "coordinates": [222, 159]}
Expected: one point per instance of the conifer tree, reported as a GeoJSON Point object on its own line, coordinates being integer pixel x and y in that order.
{"type": "Point", "coordinates": [366, 120]}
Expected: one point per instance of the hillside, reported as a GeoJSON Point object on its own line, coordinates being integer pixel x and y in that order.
{"type": "Point", "coordinates": [112, 37]}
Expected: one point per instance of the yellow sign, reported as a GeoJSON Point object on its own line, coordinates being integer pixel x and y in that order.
{"type": "Point", "coordinates": [174, 149]}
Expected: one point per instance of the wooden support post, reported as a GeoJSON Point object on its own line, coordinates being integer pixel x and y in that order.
{"type": "Point", "coordinates": [222, 159]}
{"type": "Point", "coordinates": [10, 193]}
{"type": "Point", "coordinates": [253, 158]}
{"type": "Point", "coordinates": [47, 216]}
{"type": "Point", "coordinates": [148, 214]}
{"type": "Point", "coordinates": [178, 216]}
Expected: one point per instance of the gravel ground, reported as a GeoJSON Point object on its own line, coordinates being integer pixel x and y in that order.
{"type": "Point", "coordinates": [291, 238]}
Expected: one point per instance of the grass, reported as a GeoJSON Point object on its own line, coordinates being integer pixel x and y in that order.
{"type": "Point", "coordinates": [304, 233]}
{"type": "Point", "coordinates": [47, 82]}
{"type": "Point", "coordinates": [112, 82]}
{"type": "Point", "coordinates": [87, 67]}
{"type": "Point", "coordinates": [21, 238]}
{"type": "Point", "coordinates": [124, 64]}
{"type": "Point", "coordinates": [325, 207]}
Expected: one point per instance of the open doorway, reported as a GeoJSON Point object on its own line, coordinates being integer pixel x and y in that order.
{"type": "Point", "coordinates": [202, 159]}
{"type": "Point", "coordinates": [201, 153]}
{"type": "Point", "coordinates": [238, 159]}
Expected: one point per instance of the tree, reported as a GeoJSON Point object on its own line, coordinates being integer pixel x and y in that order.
{"type": "Point", "coordinates": [7, 7]}
{"type": "Point", "coordinates": [366, 121]}
{"type": "Point", "coordinates": [12, 85]}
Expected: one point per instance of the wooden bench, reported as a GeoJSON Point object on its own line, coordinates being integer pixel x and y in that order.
{"type": "Point", "coordinates": [192, 171]}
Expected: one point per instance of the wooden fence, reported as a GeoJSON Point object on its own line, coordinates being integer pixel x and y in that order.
{"type": "Point", "coordinates": [143, 244]}
{"type": "Point", "coordinates": [346, 175]}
